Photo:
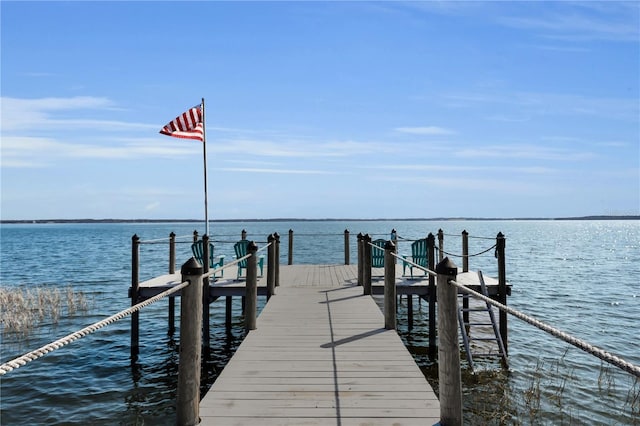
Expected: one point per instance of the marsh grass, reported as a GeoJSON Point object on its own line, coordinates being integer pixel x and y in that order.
{"type": "Point", "coordinates": [22, 309]}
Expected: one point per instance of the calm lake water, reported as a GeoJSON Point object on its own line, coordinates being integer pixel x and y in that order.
{"type": "Point", "coordinates": [580, 276]}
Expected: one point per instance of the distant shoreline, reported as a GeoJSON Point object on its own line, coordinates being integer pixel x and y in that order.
{"type": "Point", "coordinates": [44, 221]}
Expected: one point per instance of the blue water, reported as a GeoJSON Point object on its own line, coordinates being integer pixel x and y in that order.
{"type": "Point", "coordinates": [580, 276]}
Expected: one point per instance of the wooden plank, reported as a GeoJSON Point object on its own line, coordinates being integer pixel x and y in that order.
{"type": "Point", "coordinates": [320, 355]}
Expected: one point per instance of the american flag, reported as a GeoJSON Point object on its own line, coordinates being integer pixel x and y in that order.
{"type": "Point", "coordinates": [187, 125]}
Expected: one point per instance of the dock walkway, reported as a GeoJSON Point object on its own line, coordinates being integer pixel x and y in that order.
{"type": "Point", "coordinates": [320, 356]}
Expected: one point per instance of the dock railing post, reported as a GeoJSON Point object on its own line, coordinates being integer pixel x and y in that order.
{"type": "Point", "coordinates": [172, 270]}
{"type": "Point", "coordinates": [394, 240]}
{"type": "Point", "coordinates": [205, 294]}
{"type": "Point", "coordinates": [271, 266]}
{"type": "Point", "coordinates": [389, 286]}
{"type": "Point", "coordinates": [465, 251]}
{"type": "Point", "coordinates": [188, 395]}
{"type": "Point", "coordinates": [449, 376]}
{"type": "Point", "coordinates": [290, 247]}
{"type": "Point", "coordinates": [360, 259]}
{"type": "Point", "coordinates": [501, 243]}
{"type": "Point", "coordinates": [251, 289]}
{"type": "Point", "coordinates": [277, 259]}
{"type": "Point", "coordinates": [135, 281]}
{"type": "Point", "coordinates": [366, 265]}
{"type": "Point", "coordinates": [431, 244]}
{"type": "Point", "coordinates": [346, 246]}
{"type": "Point", "coordinates": [195, 235]}
{"type": "Point", "coordinates": [440, 244]}
{"type": "Point", "coordinates": [243, 235]}
{"type": "Point", "coordinates": [465, 268]}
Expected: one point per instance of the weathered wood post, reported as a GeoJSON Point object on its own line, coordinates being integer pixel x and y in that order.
{"type": "Point", "coordinates": [135, 281]}
{"type": "Point", "coordinates": [271, 266]}
{"type": "Point", "coordinates": [465, 251]}
{"type": "Point", "coordinates": [431, 244]}
{"type": "Point", "coordinates": [290, 247]}
{"type": "Point", "coordinates": [501, 243]}
{"type": "Point", "coordinates": [360, 259]}
{"type": "Point", "coordinates": [188, 399]}
{"type": "Point", "coordinates": [449, 377]}
{"type": "Point", "coordinates": [206, 330]}
{"type": "Point", "coordinates": [366, 265]}
{"type": "Point", "coordinates": [389, 286]}
{"type": "Point", "coordinates": [172, 270]}
{"type": "Point", "coordinates": [251, 289]}
{"type": "Point", "coordinates": [441, 244]}
{"type": "Point", "coordinates": [228, 305]}
{"type": "Point", "coordinates": [394, 238]}
{"type": "Point", "coordinates": [277, 256]}
{"type": "Point", "coordinates": [243, 235]}
{"type": "Point", "coordinates": [465, 268]}
{"type": "Point", "coordinates": [195, 235]}
{"type": "Point", "coordinates": [346, 246]}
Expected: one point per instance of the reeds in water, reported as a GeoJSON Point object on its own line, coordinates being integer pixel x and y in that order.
{"type": "Point", "coordinates": [24, 308]}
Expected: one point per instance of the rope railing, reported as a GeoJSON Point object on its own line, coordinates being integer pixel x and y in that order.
{"type": "Point", "coordinates": [468, 255]}
{"type": "Point", "coordinates": [165, 239]}
{"type": "Point", "coordinates": [230, 264]}
{"type": "Point", "coordinates": [42, 351]}
{"type": "Point", "coordinates": [415, 265]}
{"type": "Point", "coordinates": [580, 344]}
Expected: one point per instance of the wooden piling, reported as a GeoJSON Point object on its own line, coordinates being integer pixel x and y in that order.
{"type": "Point", "coordinates": [346, 246]}
{"type": "Point", "coordinates": [290, 247]}
{"type": "Point", "coordinates": [449, 376]}
{"type": "Point", "coordinates": [502, 288]}
{"type": "Point", "coordinates": [366, 264]}
{"type": "Point", "coordinates": [243, 235]}
{"type": "Point", "coordinates": [195, 236]}
{"type": "Point", "coordinates": [271, 266]}
{"type": "Point", "coordinates": [135, 281]}
{"type": "Point", "coordinates": [227, 312]}
{"type": "Point", "coordinates": [206, 329]}
{"type": "Point", "coordinates": [188, 395]}
{"type": "Point", "coordinates": [360, 259]}
{"type": "Point", "coordinates": [277, 259]}
{"type": "Point", "coordinates": [465, 268]}
{"type": "Point", "coordinates": [410, 311]}
{"type": "Point", "coordinates": [172, 270]}
{"type": "Point", "coordinates": [431, 244]}
{"type": "Point", "coordinates": [440, 244]}
{"type": "Point", "coordinates": [389, 286]}
{"type": "Point", "coordinates": [251, 301]}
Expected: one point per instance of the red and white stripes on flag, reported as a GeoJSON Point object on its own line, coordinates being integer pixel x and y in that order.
{"type": "Point", "coordinates": [188, 125]}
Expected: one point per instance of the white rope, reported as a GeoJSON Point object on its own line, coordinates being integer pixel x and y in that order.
{"type": "Point", "coordinates": [581, 344]}
{"type": "Point", "coordinates": [33, 355]}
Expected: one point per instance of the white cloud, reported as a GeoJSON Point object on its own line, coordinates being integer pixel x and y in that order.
{"type": "Point", "coordinates": [276, 171]}
{"type": "Point", "coordinates": [429, 130]}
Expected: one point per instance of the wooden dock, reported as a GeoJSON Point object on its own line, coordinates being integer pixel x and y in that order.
{"type": "Point", "coordinates": [320, 355]}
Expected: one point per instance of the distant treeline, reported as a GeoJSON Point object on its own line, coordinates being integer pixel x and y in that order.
{"type": "Point", "coordinates": [602, 217]}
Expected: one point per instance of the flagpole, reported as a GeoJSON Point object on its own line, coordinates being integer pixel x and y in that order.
{"type": "Point", "coordinates": [204, 152]}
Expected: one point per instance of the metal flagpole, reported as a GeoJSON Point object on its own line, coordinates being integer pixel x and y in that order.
{"type": "Point", "coordinates": [204, 152]}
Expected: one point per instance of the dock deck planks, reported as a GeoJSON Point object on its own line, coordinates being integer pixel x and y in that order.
{"type": "Point", "coordinates": [320, 355]}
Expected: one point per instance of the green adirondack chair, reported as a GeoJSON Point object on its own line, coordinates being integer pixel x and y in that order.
{"type": "Point", "coordinates": [241, 251]}
{"type": "Point", "coordinates": [198, 247]}
{"type": "Point", "coordinates": [377, 256]}
{"type": "Point", "coordinates": [419, 250]}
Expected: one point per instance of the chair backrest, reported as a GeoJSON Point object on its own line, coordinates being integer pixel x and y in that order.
{"type": "Point", "coordinates": [241, 251]}
{"type": "Point", "coordinates": [419, 250]}
{"type": "Point", "coordinates": [377, 256]}
{"type": "Point", "coordinates": [197, 248]}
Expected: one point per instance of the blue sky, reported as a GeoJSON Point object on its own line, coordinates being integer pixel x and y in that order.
{"type": "Point", "coordinates": [321, 109]}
